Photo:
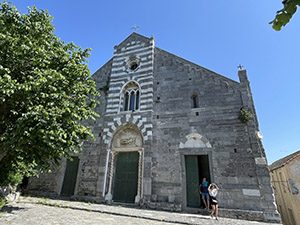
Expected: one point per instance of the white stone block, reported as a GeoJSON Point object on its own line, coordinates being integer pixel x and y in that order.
{"type": "Point", "coordinates": [113, 127]}
{"type": "Point", "coordinates": [143, 130]}
{"type": "Point", "coordinates": [149, 133]}
{"type": "Point", "coordinates": [148, 125]}
{"type": "Point", "coordinates": [261, 161]}
{"type": "Point", "coordinates": [127, 117]}
{"type": "Point", "coordinates": [135, 118]}
{"type": "Point", "coordinates": [251, 192]}
{"type": "Point", "coordinates": [140, 123]}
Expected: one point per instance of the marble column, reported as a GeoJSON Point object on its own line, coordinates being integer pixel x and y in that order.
{"type": "Point", "coordinates": [108, 196]}
{"type": "Point", "coordinates": [140, 174]}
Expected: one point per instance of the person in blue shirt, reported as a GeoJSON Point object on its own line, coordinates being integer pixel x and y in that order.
{"type": "Point", "coordinates": [203, 189]}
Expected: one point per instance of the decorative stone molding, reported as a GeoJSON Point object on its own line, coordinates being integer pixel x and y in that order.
{"type": "Point", "coordinates": [132, 64]}
{"type": "Point", "coordinates": [108, 196]}
{"type": "Point", "coordinates": [127, 138]}
{"type": "Point", "coordinates": [140, 174]}
{"type": "Point", "coordinates": [140, 122]}
{"type": "Point", "coordinates": [195, 140]}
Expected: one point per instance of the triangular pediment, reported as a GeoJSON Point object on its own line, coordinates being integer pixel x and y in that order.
{"type": "Point", "coordinates": [134, 37]}
{"type": "Point", "coordinates": [168, 58]}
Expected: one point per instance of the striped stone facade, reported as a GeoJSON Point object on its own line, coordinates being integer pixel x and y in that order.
{"type": "Point", "coordinates": [121, 75]}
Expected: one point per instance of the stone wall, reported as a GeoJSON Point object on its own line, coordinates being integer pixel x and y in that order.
{"type": "Point", "coordinates": [171, 128]}
{"type": "Point", "coordinates": [236, 154]}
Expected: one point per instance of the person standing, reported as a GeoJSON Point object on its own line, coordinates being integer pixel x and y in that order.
{"type": "Point", "coordinates": [213, 191]}
{"type": "Point", "coordinates": [203, 189]}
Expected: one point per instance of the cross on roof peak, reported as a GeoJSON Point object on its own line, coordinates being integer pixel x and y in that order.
{"type": "Point", "coordinates": [135, 27]}
{"type": "Point", "coordinates": [240, 66]}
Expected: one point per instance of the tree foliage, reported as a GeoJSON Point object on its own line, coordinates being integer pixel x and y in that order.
{"type": "Point", "coordinates": [45, 93]}
{"type": "Point", "coordinates": [285, 14]}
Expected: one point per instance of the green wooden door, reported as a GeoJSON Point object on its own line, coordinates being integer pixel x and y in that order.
{"type": "Point", "coordinates": [203, 165]}
{"type": "Point", "coordinates": [69, 182]}
{"type": "Point", "coordinates": [126, 177]}
{"type": "Point", "coordinates": [192, 181]}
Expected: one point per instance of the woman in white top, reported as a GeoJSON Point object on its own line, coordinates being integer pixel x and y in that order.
{"type": "Point", "coordinates": [213, 191]}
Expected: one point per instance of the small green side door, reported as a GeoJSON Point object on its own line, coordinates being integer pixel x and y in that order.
{"type": "Point", "coordinates": [192, 181]}
{"type": "Point", "coordinates": [126, 177]}
{"type": "Point", "coordinates": [70, 177]}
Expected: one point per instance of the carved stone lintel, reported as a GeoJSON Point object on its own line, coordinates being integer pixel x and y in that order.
{"type": "Point", "coordinates": [128, 141]}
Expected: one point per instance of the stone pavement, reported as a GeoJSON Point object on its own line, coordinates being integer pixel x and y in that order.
{"type": "Point", "coordinates": [39, 211]}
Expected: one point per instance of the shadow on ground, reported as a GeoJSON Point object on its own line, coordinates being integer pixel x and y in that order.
{"type": "Point", "coordinates": [11, 209]}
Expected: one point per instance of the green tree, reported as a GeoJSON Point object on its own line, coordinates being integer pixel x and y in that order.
{"type": "Point", "coordinates": [46, 91]}
{"type": "Point", "coordinates": [285, 14]}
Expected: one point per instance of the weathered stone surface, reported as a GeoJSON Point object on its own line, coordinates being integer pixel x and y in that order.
{"type": "Point", "coordinates": [170, 125]}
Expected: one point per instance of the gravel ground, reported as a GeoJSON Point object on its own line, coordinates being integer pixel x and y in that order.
{"type": "Point", "coordinates": [40, 211]}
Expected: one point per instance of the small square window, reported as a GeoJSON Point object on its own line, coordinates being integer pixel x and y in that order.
{"type": "Point", "coordinates": [197, 113]}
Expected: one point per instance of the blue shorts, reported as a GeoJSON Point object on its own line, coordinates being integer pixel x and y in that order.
{"type": "Point", "coordinates": [205, 196]}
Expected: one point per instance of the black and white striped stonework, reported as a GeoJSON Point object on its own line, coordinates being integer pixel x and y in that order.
{"type": "Point", "coordinates": [143, 49]}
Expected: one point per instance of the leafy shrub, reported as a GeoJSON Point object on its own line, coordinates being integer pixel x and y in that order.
{"type": "Point", "coordinates": [245, 116]}
{"type": "Point", "coordinates": [2, 201]}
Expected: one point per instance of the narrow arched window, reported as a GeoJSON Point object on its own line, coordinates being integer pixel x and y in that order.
{"type": "Point", "coordinates": [126, 99]}
{"type": "Point", "coordinates": [132, 100]}
{"type": "Point", "coordinates": [137, 100]}
{"type": "Point", "coordinates": [194, 101]}
{"type": "Point", "coordinates": [131, 97]}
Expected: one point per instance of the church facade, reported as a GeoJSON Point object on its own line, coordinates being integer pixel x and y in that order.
{"type": "Point", "coordinates": [165, 124]}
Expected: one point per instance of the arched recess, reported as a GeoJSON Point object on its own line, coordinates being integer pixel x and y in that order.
{"type": "Point", "coordinates": [125, 173]}
{"type": "Point", "coordinates": [195, 140]}
{"type": "Point", "coordinates": [194, 99]}
{"type": "Point", "coordinates": [130, 96]}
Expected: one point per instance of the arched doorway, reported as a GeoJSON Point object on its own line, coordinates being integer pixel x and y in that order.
{"type": "Point", "coordinates": [126, 165]}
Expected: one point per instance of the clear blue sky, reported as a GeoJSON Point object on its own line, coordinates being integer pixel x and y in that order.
{"type": "Point", "coordinates": [217, 35]}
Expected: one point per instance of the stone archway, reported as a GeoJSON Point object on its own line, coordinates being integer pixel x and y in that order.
{"type": "Point", "coordinates": [125, 164]}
